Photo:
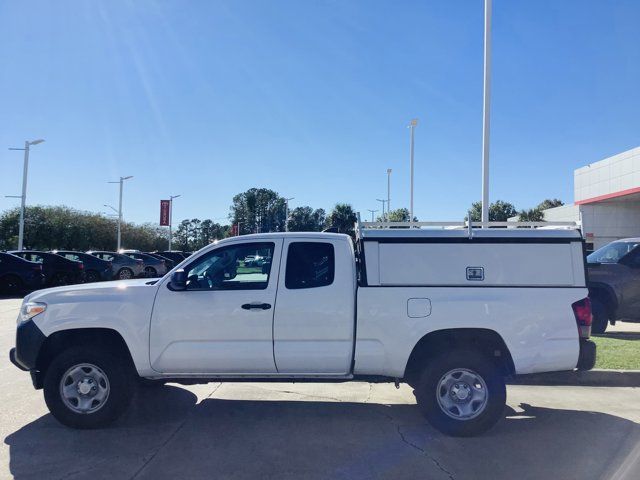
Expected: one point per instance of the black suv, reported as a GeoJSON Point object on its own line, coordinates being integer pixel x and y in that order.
{"type": "Point", "coordinates": [57, 270]}
{"type": "Point", "coordinates": [614, 283]}
{"type": "Point", "coordinates": [17, 274]}
{"type": "Point", "coordinates": [95, 269]}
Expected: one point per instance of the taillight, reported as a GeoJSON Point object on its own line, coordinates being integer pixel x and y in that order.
{"type": "Point", "coordinates": [582, 311]}
{"type": "Point", "coordinates": [81, 266]}
{"type": "Point", "coordinates": [37, 268]}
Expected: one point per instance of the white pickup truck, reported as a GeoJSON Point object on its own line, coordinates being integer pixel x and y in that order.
{"type": "Point", "coordinates": [451, 312]}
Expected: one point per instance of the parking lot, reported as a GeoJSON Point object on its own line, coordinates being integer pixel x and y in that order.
{"type": "Point", "coordinates": [351, 430]}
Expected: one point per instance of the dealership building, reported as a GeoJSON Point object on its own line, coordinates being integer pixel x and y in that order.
{"type": "Point", "coordinates": [606, 199]}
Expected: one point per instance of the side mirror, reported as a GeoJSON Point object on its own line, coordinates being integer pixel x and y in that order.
{"type": "Point", "coordinates": [178, 280]}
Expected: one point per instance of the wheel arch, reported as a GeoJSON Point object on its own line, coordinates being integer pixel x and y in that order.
{"type": "Point", "coordinates": [60, 340]}
{"type": "Point", "coordinates": [439, 341]}
{"type": "Point", "coordinates": [606, 294]}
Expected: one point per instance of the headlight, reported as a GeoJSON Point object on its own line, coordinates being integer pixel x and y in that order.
{"type": "Point", "coordinates": [30, 310]}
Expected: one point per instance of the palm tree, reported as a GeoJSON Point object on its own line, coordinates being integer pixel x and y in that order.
{"type": "Point", "coordinates": [342, 218]}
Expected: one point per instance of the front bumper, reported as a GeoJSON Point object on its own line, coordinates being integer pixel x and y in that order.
{"type": "Point", "coordinates": [29, 341]}
{"type": "Point", "coordinates": [587, 356]}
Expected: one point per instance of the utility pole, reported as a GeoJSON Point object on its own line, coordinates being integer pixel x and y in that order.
{"type": "Point", "coordinates": [286, 213]}
{"type": "Point", "coordinates": [121, 182]}
{"type": "Point", "coordinates": [171, 197]}
{"type": "Point", "coordinates": [23, 197]}
{"type": "Point", "coordinates": [372, 212]}
{"type": "Point", "coordinates": [388, 191]}
{"type": "Point", "coordinates": [412, 127]}
{"type": "Point", "coordinates": [486, 108]}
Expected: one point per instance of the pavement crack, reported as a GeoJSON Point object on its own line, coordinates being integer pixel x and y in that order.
{"type": "Point", "coordinates": [306, 395]}
{"type": "Point", "coordinates": [424, 452]}
{"type": "Point", "coordinates": [366, 400]}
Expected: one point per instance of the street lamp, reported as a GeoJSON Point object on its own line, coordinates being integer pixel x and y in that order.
{"type": "Point", "coordinates": [372, 212]}
{"type": "Point", "coordinates": [383, 202]}
{"type": "Point", "coordinates": [286, 213]}
{"type": "Point", "coordinates": [388, 191]}
{"type": "Point", "coordinates": [412, 127]}
{"type": "Point", "coordinates": [23, 197]}
{"type": "Point", "coordinates": [486, 108]}
{"type": "Point", "coordinates": [171, 197]}
{"type": "Point", "coordinates": [119, 211]}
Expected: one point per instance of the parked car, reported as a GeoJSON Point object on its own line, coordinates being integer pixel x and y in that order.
{"type": "Point", "coordinates": [17, 274]}
{"type": "Point", "coordinates": [173, 255]}
{"type": "Point", "coordinates": [449, 312]}
{"type": "Point", "coordinates": [168, 262]}
{"type": "Point", "coordinates": [95, 269]}
{"type": "Point", "coordinates": [614, 283]}
{"type": "Point", "coordinates": [124, 268]}
{"type": "Point", "coordinates": [57, 270]}
{"type": "Point", "coordinates": [153, 267]}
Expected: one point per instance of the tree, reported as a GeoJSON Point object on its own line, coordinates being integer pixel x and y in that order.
{"type": "Point", "coordinates": [537, 214]}
{"type": "Point", "coordinates": [550, 203]}
{"type": "Point", "coordinates": [499, 211]}
{"type": "Point", "coordinates": [258, 210]}
{"type": "Point", "coordinates": [306, 219]}
{"type": "Point", "coordinates": [342, 218]}
{"type": "Point", "coordinates": [531, 215]}
{"type": "Point", "coordinates": [398, 215]}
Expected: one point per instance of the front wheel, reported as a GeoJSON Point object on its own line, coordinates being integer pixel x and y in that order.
{"type": "Point", "coordinates": [461, 393]}
{"type": "Point", "coordinates": [150, 272]}
{"type": "Point", "coordinates": [125, 274]}
{"type": "Point", "coordinates": [91, 276]}
{"type": "Point", "coordinates": [87, 387]}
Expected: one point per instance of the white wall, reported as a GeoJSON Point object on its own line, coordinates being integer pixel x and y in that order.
{"type": "Point", "coordinates": [613, 174]}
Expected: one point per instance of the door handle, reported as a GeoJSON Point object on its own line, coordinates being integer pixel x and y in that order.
{"type": "Point", "coordinates": [254, 306]}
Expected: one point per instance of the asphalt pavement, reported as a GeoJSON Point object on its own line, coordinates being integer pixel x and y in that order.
{"type": "Point", "coordinates": [294, 431]}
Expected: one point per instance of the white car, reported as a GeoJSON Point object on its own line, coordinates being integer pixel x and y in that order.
{"type": "Point", "coordinates": [450, 312]}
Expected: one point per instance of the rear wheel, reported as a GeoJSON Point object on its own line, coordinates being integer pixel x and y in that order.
{"type": "Point", "coordinates": [11, 284]}
{"type": "Point", "coordinates": [60, 279]}
{"type": "Point", "coordinates": [461, 393]}
{"type": "Point", "coordinates": [150, 272]}
{"type": "Point", "coordinates": [600, 316]}
{"type": "Point", "coordinates": [91, 276]}
{"type": "Point", "coordinates": [87, 387]}
{"type": "Point", "coordinates": [125, 274]}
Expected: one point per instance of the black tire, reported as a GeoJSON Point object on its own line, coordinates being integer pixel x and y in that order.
{"type": "Point", "coordinates": [11, 284]}
{"type": "Point", "coordinates": [427, 393]}
{"type": "Point", "coordinates": [125, 274]}
{"type": "Point", "coordinates": [600, 317]}
{"type": "Point", "coordinates": [60, 279]}
{"type": "Point", "coordinates": [92, 276]}
{"type": "Point", "coordinates": [150, 272]}
{"type": "Point", "coordinates": [120, 381]}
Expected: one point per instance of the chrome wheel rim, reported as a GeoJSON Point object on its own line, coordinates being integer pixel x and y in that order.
{"type": "Point", "coordinates": [125, 274]}
{"type": "Point", "coordinates": [462, 394]}
{"type": "Point", "coordinates": [84, 388]}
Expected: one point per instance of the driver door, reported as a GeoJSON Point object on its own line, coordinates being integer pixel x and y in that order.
{"type": "Point", "coordinates": [223, 322]}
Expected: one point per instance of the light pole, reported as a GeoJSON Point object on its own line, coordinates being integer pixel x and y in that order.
{"type": "Point", "coordinates": [23, 197]}
{"type": "Point", "coordinates": [121, 182]}
{"type": "Point", "coordinates": [412, 127]}
{"type": "Point", "coordinates": [388, 191]}
{"type": "Point", "coordinates": [372, 212]}
{"type": "Point", "coordinates": [486, 107]}
{"type": "Point", "coordinates": [286, 213]}
{"type": "Point", "coordinates": [171, 197]}
{"type": "Point", "coordinates": [383, 202]}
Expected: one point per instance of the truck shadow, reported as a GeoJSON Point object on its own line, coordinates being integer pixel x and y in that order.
{"type": "Point", "coordinates": [167, 435]}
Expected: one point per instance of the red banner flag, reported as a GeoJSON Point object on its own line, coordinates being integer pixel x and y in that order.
{"type": "Point", "coordinates": [164, 213]}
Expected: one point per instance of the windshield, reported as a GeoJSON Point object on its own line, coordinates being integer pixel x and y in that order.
{"type": "Point", "coordinates": [611, 253]}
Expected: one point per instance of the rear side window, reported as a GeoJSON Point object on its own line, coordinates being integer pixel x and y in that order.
{"type": "Point", "coordinates": [309, 265]}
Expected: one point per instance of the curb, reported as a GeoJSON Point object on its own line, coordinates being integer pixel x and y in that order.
{"type": "Point", "coordinates": [577, 378]}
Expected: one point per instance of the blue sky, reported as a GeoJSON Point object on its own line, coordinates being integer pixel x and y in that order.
{"type": "Point", "coordinates": [310, 98]}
